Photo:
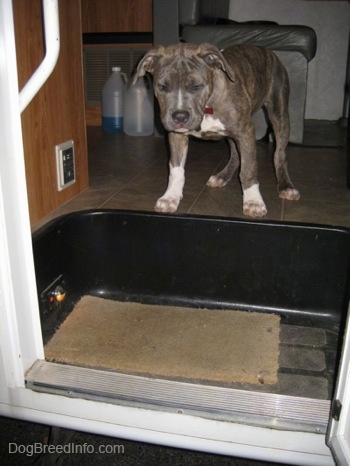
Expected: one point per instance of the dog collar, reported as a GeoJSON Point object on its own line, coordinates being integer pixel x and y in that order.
{"type": "Point", "coordinates": [209, 110]}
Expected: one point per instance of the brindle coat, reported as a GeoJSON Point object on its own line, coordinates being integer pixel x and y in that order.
{"type": "Point", "coordinates": [208, 94]}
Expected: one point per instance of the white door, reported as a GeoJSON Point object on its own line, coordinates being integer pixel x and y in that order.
{"type": "Point", "coordinates": [339, 429]}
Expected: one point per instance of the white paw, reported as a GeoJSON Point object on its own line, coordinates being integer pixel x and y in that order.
{"type": "Point", "coordinates": [291, 194]}
{"type": "Point", "coordinates": [216, 182]}
{"type": "Point", "coordinates": [167, 204]}
{"type": "Point", "coordinates": [254, 209]}
{"type": "Point", "coordinates": [253, 204]}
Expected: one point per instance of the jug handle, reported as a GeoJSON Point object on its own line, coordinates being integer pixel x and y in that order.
{"type": "Point", "coordinates": [124, 77]}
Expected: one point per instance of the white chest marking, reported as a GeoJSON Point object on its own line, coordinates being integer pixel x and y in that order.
{"type": "Point", "coordinates": [210, 125]}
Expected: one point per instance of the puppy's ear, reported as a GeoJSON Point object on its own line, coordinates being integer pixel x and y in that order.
{"type": "Point", "coordinates": [148, 62]}
{"type": "Point", "coordinates": [215, 59]}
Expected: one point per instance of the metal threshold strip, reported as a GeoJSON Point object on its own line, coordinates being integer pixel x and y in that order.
{"type": "Point", "coordinates": [212, 402]}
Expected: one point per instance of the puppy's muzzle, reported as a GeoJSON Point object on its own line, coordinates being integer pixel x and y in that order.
{"type": "Point", "coordinates": [181, 116]}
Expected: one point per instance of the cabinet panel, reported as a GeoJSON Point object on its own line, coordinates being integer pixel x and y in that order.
{"type": "Point", "coordinates": [117, 16]}
{"type": "Point", "coordinates": [57, 112]}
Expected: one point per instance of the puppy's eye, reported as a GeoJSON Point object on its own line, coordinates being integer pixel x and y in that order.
{"type": "Point", "coordinates": [163, 88]}
{"type": "Point", "coordinates": [195, 87]}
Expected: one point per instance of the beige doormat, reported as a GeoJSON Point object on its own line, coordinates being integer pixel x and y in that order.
{"type": "Point", "coordinates": [165, 341]}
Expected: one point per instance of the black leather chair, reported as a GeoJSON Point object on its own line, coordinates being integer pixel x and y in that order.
{"type": "Point", "coordinates": [199, 21]}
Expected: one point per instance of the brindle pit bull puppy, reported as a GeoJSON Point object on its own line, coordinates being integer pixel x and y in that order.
{"type": "Point", "coordinates": [208, 94]}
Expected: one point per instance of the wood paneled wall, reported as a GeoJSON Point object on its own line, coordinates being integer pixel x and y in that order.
{"type": "Point", "coordinates": [57, 113]}
{"type": "Point", "coordinates": [117, 16]}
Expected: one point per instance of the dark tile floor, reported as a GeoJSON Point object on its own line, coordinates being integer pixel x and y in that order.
{"type": "Point", "coordinates": [131, 173]}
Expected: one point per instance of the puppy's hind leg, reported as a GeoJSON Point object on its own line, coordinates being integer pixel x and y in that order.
{"type": "Point", "coordinates": [222, 178]}
{"type": "Point", "coordinates": [279, 118]}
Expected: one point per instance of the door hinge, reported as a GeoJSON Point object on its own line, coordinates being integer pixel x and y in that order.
{"type": "Point", "coordinates": [336, 409]}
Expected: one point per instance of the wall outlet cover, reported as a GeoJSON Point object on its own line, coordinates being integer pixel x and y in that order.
{"type": "Point", "coordinates": [65, 164]}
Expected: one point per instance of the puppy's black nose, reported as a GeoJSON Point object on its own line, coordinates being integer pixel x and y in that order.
{"type": "Point", "coordinates": [181, 116]}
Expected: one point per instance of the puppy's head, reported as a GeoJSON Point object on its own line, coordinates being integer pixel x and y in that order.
{"type": "Point", "coordinates": [183, 80]}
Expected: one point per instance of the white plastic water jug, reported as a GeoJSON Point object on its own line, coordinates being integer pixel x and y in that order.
{"type": "Point", "coordinates": [113, 101]}
{"type": "Point", "coordinates": [139, 108]}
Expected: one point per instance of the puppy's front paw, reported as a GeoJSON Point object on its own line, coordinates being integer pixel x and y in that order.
{"type": "Point", "coordinates": [254, 209]}
{"type": "Point", "coordinates": [216, 182]}
{"type": "Point", "coordinates": [291, 194]}
{"type": "Point", "coordinates": [253, 204]}
{"type": "Point", "coordinates": [167, 204]}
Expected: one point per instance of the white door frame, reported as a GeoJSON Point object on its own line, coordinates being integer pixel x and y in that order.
{"type": "Point", "coordinates": [339, 428]}
{"type": "Point", "coordinates": [21, 339]}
